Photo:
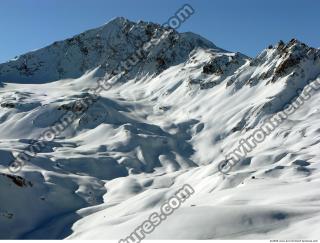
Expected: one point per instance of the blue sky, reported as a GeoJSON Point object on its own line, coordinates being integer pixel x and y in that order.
{"type": "Point", "coordinates": [246, 26]}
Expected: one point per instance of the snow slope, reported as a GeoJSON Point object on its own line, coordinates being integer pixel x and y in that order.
{"type": "Point", "coordinates": [169, 120]}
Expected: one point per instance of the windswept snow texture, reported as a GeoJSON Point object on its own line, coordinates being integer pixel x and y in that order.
{"type": "Point", "coordinates": [166, 122]}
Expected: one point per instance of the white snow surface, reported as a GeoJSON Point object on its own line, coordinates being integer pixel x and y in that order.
{"type": "Point", "coordinates": [158, 128]}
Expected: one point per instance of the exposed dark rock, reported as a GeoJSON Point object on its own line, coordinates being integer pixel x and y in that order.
{"type": "Point", "coordinates": [212, 68]}
{"type": "Point", "coordinates": [289, 62]}
{"type": "Point", "coordinates": [8, 105]}
{"type": "Point", "coordinates": [164, 108]}
{"type": "Point", "coordinates": [18, 180]}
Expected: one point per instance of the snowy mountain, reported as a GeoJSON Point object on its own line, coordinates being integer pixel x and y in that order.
{"type": "Point", "coordinates": [171, 117]}
{"type": "Point", "coordinates": [105, 47]}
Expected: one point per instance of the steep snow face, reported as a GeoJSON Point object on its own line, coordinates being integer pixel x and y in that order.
{"type": "Point", "coordinates": [167, 121]}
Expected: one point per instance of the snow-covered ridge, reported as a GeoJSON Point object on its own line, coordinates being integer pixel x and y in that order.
{"type": "Point", "coordinates": [169, 122]}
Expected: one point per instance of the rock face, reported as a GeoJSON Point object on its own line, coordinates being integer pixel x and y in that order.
{"type": "Point", "coordinates": [179, 107]}
{"type": "Point", "coordinates": [221, 64]}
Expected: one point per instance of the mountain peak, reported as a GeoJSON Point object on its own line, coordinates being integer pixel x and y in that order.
{"type": "Point", "coordinates": [106, 46]}
{"type": "Point", "coordinates": [118, 20]}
